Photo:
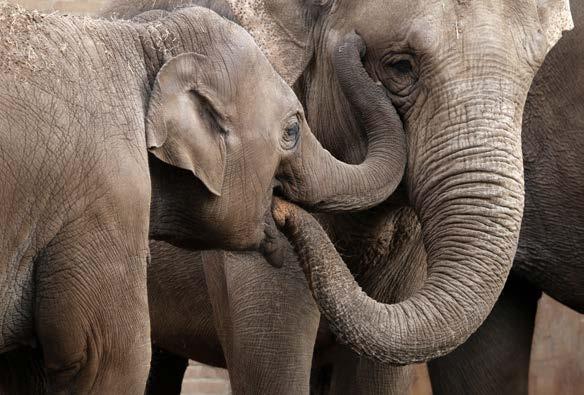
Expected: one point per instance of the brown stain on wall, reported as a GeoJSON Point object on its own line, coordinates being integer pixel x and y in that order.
{"type": "Point", "coordinates": [557, 360]}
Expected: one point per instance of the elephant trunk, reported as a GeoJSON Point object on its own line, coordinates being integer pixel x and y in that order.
{"type": "Point", "coordinates": [467, 188]}
{"type": "Point", "coordinates": [323, 183]}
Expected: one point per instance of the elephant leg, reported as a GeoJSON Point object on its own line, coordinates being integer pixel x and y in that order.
{"type": "Point", "coordinates": [266, 320]}
{"type": "Point", "coordinates": [356, 375]}
{"type": "Point", "coordinates": [495, 359]}
{"type": "Point", "coordinates": [167, 371]}
{"type": "Point", "coordinates": [91, 310]}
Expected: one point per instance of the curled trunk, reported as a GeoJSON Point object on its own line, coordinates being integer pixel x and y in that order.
{"type": "Point", "coordinates": [315, 179]}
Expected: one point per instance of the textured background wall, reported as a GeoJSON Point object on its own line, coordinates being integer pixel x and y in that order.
{"type": "Point", "coordinates": [557, 363]}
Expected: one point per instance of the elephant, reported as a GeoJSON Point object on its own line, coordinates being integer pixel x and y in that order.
{"type": "Point", "coordinates": [113, 133]}
{"type": "Point", "coordinates": [496, 358]}
{"type": "Point", "coordinates": [551, 243]}
{"type": "Point", "coordinates": [459, 74]}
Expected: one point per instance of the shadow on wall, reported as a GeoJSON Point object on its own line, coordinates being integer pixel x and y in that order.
{"type": "Point", "coordinates": [557, 363]}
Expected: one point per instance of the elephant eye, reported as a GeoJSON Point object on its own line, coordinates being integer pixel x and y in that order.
{"type": "Point", "coordinates": [291, 134]}
{"type": "Point", "coordinates": [398, 73]}
{"type": "Point", "coordinates": [402, 66]}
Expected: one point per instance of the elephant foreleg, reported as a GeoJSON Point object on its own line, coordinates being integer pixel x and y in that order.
{"type": "Point", "coordinates": [91, 311]}
{"type": "Point", "coordinates": [266, 320]}
{"type": "Point", "coordinates": [360, 376]}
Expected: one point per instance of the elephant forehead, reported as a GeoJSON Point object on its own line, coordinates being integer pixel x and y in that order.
{"type": "Point", "coordinates": [464, 28]}
{"type": "Point", "coordinates": [256, 77]}
{"type": "Point", "coordinates": [426, 21]}
{"type": "Point", "coordinates": [275, 97]}
{"type": "Point", "coordinates": [262, 95]}
{"type": "Point", "coordinates": [419, 24]}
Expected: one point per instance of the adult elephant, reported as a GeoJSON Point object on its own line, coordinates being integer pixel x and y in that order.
{"type": "Point", "coordinates": [549, 257]}
{"type": "Point", "coordinates": [551, 244]}
{"type": "Point", "coordinates": [82, 196]}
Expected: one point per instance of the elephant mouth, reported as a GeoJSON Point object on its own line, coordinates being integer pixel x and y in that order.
{"type": "Point", "coordinates": [274, 243]}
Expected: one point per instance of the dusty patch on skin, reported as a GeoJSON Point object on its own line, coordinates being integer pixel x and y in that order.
{"type": "Point", "coordinates": [277, 41]}
{"type": "Point", "coordinates": [556, 15]}
{"type": "Point", "coordinates": [163, 41]}
{"type": "Point", "coordinates": [19, 29]}
{"type": "Point", "coordinates": [30, 41]}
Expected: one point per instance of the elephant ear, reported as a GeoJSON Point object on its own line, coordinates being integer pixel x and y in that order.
{"type": "Point", "coordinates": [185, 125]}
{"type": "Point", "coordinates": [282, 29]}
{"type": "Point", "coordinates": [555, 17]}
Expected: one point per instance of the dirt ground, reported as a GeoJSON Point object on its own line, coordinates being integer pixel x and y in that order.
{"type": "Point", "coordinates": [557, 362]}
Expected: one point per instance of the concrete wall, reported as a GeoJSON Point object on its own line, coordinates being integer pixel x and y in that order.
{"type": "Point", "coordinates": [203, 380]}
{"type": "Point", "coordinates": [81, 7]}
{"type": "Point", "coordinates": [557, 358]}
{"type": "Point", "coordinates": [557, 365]}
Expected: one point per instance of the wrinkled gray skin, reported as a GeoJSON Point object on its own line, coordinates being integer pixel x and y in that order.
{"type": "Point", "coordinates": [549, 256]}
{"type": "Point", "coordinates": [461, 98]}
{"type": "Point", "coordinates": [82, 103]}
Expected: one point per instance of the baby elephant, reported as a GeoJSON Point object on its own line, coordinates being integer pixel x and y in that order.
{"type": "Point", "coordinates": [175, 129]}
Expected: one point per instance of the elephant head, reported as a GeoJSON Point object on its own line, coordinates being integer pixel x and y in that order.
{"type": "Point", "coordinates": [222, 117]}
{"type": "Point", "coordinates": [458, 73]}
